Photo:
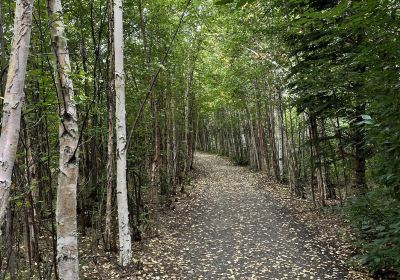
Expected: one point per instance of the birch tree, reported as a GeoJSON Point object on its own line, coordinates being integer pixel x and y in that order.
{"type": "Point", "coordinates": [120, 115]}
{"type": "Point", "coordinates": [14, 98]}
{"type": "Point", "coordinates": [67, 244]}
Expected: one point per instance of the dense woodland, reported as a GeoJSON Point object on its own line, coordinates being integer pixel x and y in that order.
{"type": "Point", "coordinates": [105, 102]}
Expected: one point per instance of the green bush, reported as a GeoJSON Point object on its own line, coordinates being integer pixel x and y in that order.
{"type": "Point", "coordinates": [376, 219]}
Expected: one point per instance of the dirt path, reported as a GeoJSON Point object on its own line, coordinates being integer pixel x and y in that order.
{"type": "Point", "coordinates": [228, 229]}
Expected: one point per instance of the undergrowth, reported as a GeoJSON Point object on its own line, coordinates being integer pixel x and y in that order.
{"type": "Point", "coordinates": [376, 220]}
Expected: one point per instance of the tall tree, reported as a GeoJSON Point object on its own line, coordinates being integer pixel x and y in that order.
{"type": "Point", "coordinates": [120, 116]}
{"type": "Point", "coordinates": [14, 98]}
{"type": "Point", "coordinates": [108, 234]}
{"type": "Point", "coordinates": [67, 242]}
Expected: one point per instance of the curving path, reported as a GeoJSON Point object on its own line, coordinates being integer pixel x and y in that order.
{"type": "Point", "coordinates": [227, 229]}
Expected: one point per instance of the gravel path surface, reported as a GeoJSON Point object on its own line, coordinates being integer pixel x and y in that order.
{"type": "Point", "coordinates": [229, 229]}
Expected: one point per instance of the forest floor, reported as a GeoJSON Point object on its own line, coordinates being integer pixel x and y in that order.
{"type": "Point", "coordinates": [238, 224]}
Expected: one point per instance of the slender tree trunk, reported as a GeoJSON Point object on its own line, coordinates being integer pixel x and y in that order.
{"type": "Point", "coordinates": [31, 193]}
{"type": "Point", "coordinates": [253, 149]}
{"type": "Point", "coordinates": [318, 158]}
{"type": "Point", "coordinates": [2, 52]}
{"type": "Point", "coordinates": [169, 145]}
{"type": "Point", "coordinates": [343, 158]}
{"type": "Point", "coordinates": [195, 139]}
{"type": "Point", "coordinates": [108, 236]}
{"type": "Point", "coordinates": [175, 147]}
{"type": "Point", "coordinates": [155, 165]}
{"type": "Point", "coordinates": [187, 126]}
{"type": "Point", "coordinates": [312, 167]}
{"type": "Point", "coordinates": [67, 243]}
{"type": "Point", "coordinates": [272, 147]}
{"type": "Point", "coordinates": [292, 163]}
{"type": "Point", "coordinates": [260, 136]}
{"type": "Point", "coordinates": [14, 99]}
{"type": "Point", "coordinates": [191, 138]}
{"type": "Point", "coordinates": [272, 129]}
{"type": "Point", "coordinates": [186, 129]}
{"type": "Point", "coordinates": [279, 135]}
{"type": "Point", "coordinates": [9, 243]}
{"type": "Point", "coordinates": [120, 115]}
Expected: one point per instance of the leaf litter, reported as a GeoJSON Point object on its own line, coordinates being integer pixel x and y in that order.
{"type": "Point", "coordinates": [237, 224]}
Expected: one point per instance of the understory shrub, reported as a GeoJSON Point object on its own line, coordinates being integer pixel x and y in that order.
{"type": "Point", "coordinates": [376, 220]}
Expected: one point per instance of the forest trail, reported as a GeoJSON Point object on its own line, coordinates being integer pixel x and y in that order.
{"type": "Point", "coordinates": [230, 229]}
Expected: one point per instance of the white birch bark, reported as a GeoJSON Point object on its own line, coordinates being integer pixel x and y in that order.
{"type": "Point", "coordinates": [14, 98]}
{"type": "Point", "coordinates": [122, 197]}
{"type": "Point", "coordinates": [67, 243]}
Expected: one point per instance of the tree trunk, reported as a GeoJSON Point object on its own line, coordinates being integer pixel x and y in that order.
{"type": "Point", "coordinates": [292, 162]}
{"type": "Point", "coordinates": [175, 147]}
{"type": "Point", "coordinates": [278, 133]}
{"type": "Point", "coordinates": [108, 236]}
{"type": "Point", "coordinates": [260, 136]}
{"type": "Point", "coordinates": [31, 193]}
{"type": "Point", "coordinates": [319, 164]}
{"type": "Point", "coordinates": [2, 51]}
{"type": "Point", "coordinates": [122, 195]}
{"type": "Point", "coordinates": [14, 99]}
{"type": "Point", "coordinates": [67, 243]}
{"type": "Point", "coordinates": [9, 244]}
{"type": "Point", "coordinates": [155, 164]}
{"type": "Point", "coordinates": [274, 168]}
{"type": "Point", "coordinates": [186, 131]}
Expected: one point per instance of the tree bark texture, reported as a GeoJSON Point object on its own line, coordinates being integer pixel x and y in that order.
{"type": "Point", "coordinates": [14, 98]}
{"type": "Point", "coordinates": [67, 242]}
{"type": "Point", "coordinates": [120, 116]}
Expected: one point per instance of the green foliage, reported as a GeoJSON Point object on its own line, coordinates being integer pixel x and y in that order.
{"type": "Point", "coordinates": [239, 3]}
{"type": "Point", "coordinates": [339, 61]}
{"type": "Point", "coordinates": [346, 66]}
{"type": "Point", "coordinates": [223, 2]}
{"type": "Point", "coordinates": [376, 219]}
